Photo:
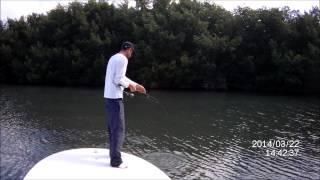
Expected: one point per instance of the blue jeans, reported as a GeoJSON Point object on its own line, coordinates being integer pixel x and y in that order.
{"type": "Point", "coordinates": [116, 129]}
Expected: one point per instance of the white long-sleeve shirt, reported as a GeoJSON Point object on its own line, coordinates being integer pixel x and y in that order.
{"type": "Point", "coordinates": [116, 79]}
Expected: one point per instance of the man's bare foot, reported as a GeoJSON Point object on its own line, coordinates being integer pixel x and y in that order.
{"type": "Point", "coordinates": [123, 166]}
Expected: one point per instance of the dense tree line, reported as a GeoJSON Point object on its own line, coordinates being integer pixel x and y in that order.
{"type": "Point", "coordinates": [185, 44]}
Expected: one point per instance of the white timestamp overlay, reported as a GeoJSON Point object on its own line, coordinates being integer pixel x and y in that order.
{"type": "Point", "coordinates": [274, 147]}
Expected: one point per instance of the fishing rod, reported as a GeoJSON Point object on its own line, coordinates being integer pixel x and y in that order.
{"type": "Point", "coordinates": [148, 97]}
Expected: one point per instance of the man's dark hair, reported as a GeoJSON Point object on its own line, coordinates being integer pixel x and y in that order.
{"type": "Point", "coordinates": [126, 45]}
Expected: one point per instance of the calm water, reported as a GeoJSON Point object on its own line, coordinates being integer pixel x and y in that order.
{"type": "Point", "coordinates": [189, 135]}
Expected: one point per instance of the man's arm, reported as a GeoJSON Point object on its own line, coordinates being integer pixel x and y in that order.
{"type": "Point", "coordinates": [121, 79]}
{"type": "Point", "coordinates": [135, 86]}
{"type": "Point", "coordinates": [120, 74]}
{"type": "Point", "coordinates": [141, 89]}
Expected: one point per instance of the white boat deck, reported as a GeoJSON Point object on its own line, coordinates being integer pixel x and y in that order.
{"type": "Point", "coordinates": [92, 163]}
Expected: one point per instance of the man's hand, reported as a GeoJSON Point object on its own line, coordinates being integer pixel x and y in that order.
{"type": "Point", "coordinates": [132, 87]}
{"type": "Point", "coordinates": [141, 89]}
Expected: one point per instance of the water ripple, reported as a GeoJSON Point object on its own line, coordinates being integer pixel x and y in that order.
{"type": "Point", "coordinates": [208, 137]}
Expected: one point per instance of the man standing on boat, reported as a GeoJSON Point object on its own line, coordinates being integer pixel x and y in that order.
{"type": "Point", "coordinates": [115, 82]}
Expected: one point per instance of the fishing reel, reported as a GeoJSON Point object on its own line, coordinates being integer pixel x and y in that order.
{"type": "Point", "coordinates": [130, 94]}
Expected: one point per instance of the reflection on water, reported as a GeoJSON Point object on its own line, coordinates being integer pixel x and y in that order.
{"type": "Point", "coordinates": [189, 135]}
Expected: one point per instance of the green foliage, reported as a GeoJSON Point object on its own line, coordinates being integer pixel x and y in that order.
{"type": "Point", "coordinates": [180, 44]}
